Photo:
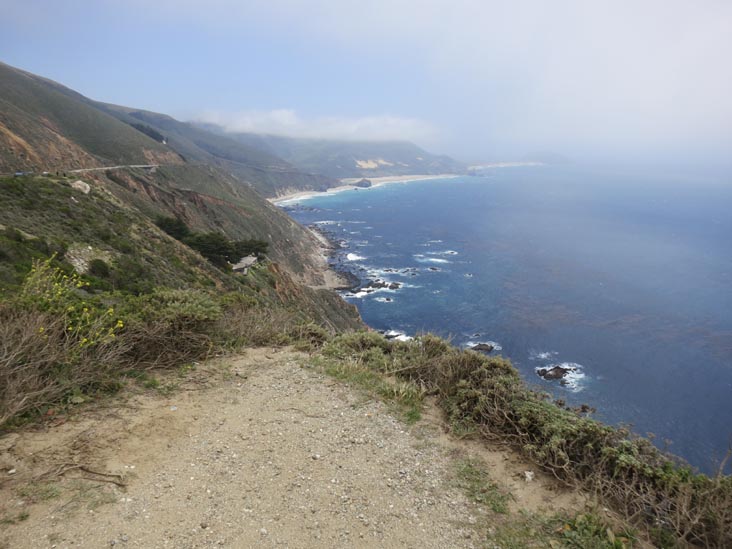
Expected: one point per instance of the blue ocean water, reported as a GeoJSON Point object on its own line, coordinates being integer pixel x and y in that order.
{"type": "Point", "coordinates": [627, 278]}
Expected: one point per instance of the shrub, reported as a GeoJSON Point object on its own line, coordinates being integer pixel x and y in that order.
{"type": "Point", "coordinates": [246, 323]}
{"type": "Point", "coordinates": [174, 226]}
{"type": "Point", "coordinates": [99, 268]}
{"type": "Point", "coordinates": [168, 327]}
{"type": "Point", "coordinates": [54, 341]}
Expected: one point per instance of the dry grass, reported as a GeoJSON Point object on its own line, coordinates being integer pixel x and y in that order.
{"type": "Point", "coordinates": [40, 363]}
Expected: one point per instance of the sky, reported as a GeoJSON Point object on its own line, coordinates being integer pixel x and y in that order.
{"type": "Point", "coordinates": [481, 80]}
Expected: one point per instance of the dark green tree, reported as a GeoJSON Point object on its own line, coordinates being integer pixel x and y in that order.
{"type": "Point", "coordinates": [215, 247]}
{"type": "Point", "coordinates": [251, 246]}
{"type": "Point", "coordinates": [174, 226]}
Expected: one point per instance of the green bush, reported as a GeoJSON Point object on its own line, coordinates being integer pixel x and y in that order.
{"type": "Point", "coordinates": [174, 226]}
{"type": "Point", "coordinates": [99, 268]}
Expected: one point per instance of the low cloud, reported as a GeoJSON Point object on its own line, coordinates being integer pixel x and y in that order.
{"type": "Point", "coordinates": [289, 123]}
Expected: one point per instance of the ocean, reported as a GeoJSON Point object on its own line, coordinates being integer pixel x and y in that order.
{"type": "Point", "coordinates": [626, 280]}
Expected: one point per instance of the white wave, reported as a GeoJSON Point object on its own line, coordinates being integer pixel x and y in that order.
{"type": "Point", "coordinates": [354, 257]}
{"type": "Point", "coordinates": [445, 252]}
{"type": "Point", "coordinates": [422, 259]}
{"type": "Point", "coordinates": [572, 379]}
{"type": "Point", "coordinates": [542, 355]}
{"type": "Point", "coordinates": [397, 335]}
{"type": "Point", "coordinates": [356, 295]}
{"type": "Point", "coordinates": [384, 299]}
{"type": "Point", "coordinates": [325, 222]}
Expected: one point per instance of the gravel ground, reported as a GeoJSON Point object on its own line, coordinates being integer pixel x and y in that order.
{"type": "Point", "coordinates": [273, 455]}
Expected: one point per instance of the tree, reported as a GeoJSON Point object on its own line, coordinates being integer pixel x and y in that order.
{"type": "Point", "coordinates": [215, 247]}
{"type": "Point", "coordinates": [174, 226]}
{"type": "Point", "coordinates": [250, 246]}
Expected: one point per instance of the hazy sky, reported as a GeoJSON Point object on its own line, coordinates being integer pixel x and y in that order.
{"type": "Point", "coordinates": [477, 79]}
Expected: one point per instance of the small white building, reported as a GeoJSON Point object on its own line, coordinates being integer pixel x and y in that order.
{"type": "Point", "coordinates": [244, 264]}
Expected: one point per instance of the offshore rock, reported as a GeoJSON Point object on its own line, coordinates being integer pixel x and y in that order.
{"type": "Point", "coordinates": [484, 347]}
{"type": "Point", "coordinates": [555, 372]}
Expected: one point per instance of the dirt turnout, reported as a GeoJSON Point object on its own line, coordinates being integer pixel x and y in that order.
{"type": "Point", "coordinates": [266, 452]}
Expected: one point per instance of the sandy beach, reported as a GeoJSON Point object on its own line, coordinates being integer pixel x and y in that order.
{"type": "Point", "coordinates": [349, 184]}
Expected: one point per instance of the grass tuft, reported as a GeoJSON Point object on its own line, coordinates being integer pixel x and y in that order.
{"type": "Point", "coordinates": [475, 481]}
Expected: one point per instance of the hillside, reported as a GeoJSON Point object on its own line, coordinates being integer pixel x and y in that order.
{"type": "Point", "coordinates": [45, 126]}
{"type": "Point", "coordinates": [346, 159]}
{"type": "Point", "coordinates": [267, 173]}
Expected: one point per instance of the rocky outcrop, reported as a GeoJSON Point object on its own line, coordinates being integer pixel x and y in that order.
{"type": "Point", "coordinates": [552, 373]}
{"type": "Point", "coordinates": [483, 347]}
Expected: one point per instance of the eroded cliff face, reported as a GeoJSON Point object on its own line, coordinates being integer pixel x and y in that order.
{"type": "Point", "coordinates": [40, 149]}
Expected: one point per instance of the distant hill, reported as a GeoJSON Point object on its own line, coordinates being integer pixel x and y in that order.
{"type": "Point", "coordinates": [269, 174]}
{"type": "Point", "coordinates": [345, 159]}
{"type": "Point", "coordinates": [46, 126]}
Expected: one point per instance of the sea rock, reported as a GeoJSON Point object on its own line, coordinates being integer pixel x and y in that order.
{"type": "Point", "coordinates": [484, 347]}
{"type": "Point", "coordinates": [379, 283]}
{"type": "Point", "coordinates": [554, 372]}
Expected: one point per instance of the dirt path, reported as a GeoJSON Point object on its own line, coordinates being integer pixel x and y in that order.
{"type": "Point", "coordinates": [273, 454]}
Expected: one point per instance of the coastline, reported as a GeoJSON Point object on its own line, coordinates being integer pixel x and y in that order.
{"type": "Point", "coordinates": [333, 279]}
{"type": "Point", "coordinates": [348, 185]}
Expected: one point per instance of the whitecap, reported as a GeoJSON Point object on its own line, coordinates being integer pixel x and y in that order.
{"type": "Point", "coordinates": [422, 259]}
{"type": "Point", "coordinates": [355, 295]}
{"type": "Point", "coordinates": [542, 355]}
{"type": "Point", "coordinates": [354, 257]}
{"type": "Point", "coordinates": [572, 379]}
{"type": "Point", "coordinates": [445, 252]}
{"type": "Point", "coordinates": [384, 299]}
{"type": "Point", "coordinates": [397, 335]}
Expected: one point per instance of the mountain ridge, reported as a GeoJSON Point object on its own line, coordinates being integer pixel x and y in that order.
{"type": "Point", "coordinates": [343, 158]}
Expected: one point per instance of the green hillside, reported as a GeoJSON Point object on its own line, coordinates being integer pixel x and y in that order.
{"type": "Point", "coordinates": [45, 126]}
{"type": "Point", "coordinates": [253, 166]}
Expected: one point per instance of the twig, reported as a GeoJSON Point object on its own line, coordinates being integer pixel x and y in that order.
{"type": "Point", "coordinates": [118, 483]}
